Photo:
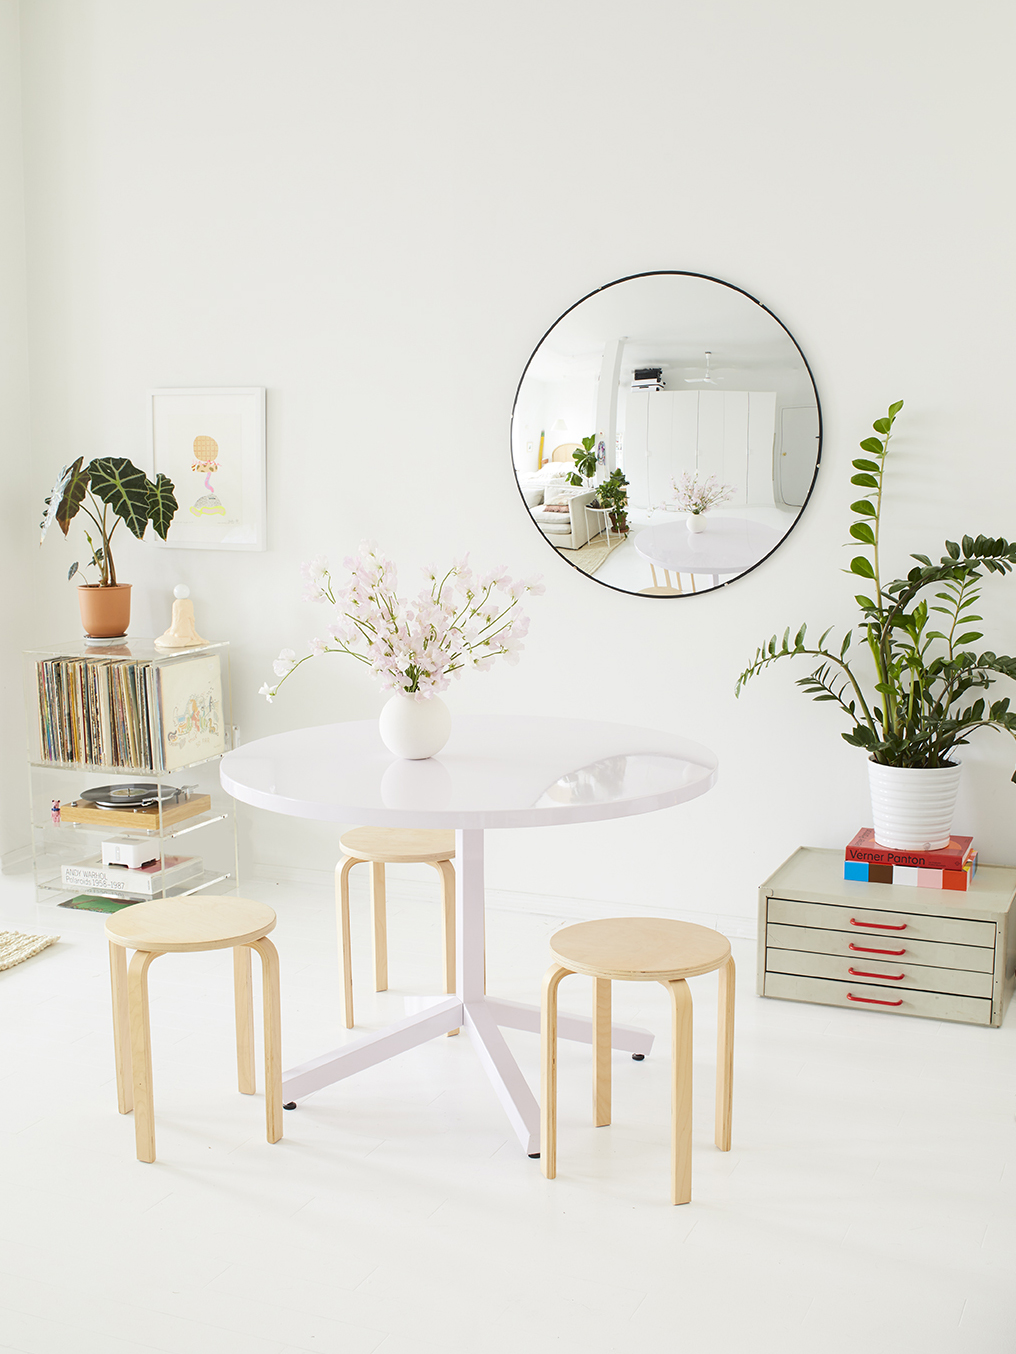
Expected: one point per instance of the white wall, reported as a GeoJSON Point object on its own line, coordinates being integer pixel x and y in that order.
{"type": "Point", "coordinates": [377, 218]}
{"type": "Point", "coordinates": [20, 503]}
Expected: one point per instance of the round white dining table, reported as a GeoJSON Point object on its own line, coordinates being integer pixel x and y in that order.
{"type": "Point", "coordinates": [728, 545]}
{"type": "Point", "coordinates": [494, 772]}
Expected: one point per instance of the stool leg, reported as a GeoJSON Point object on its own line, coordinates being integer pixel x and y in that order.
{"type": "Point", "coordinates": [601, 1051]}
{"type": "Point", "coordinates": [548, 1070]}
{"type": "Point", "coordinates": [121, 1028]}
{"type": "Point", "coordinates": [447, 872]}
{"type": "Point", "coordinates": [273, 1035]}
{"type": "Point", "coordinates": [243, 1001]}
{"type": "Point", "coordinates": [345, 948]}
{"type": "Point", "coordinates": [725, 1057]}
{"type": "Point", "coordinates": [141, 1054]}
{"type": "Point", "coordinates": [378, 912]}
{"type": "Point", "coordinates": [680, 1192]}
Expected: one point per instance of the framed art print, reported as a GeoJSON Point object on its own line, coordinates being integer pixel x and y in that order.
{"type": "Point", "coordinates": [211, 444]}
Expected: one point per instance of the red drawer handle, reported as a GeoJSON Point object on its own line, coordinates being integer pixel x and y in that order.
{"type": "Point", "coordinates": [892, 977]}
{"type": "Point", "coordinates": [866, 949]}
{"type": "Point", "coordinates": [878, 925]}
{"type": "Point", "coordinates": [874, 1001]}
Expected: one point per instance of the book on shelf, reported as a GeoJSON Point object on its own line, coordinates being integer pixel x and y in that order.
{"type": "Point", "coordinates": [864, 847]}
{"type": "Point", "coordinates": [123, 712]}
{"type": "Point", "coordinates": [864, 872]}
{"type": "Point", "coordinates": [147, 879]}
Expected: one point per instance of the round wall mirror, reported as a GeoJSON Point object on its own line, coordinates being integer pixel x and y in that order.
{"type": "Point", "coordinates": [666, 434]}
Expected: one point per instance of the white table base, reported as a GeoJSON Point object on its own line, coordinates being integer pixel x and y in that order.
{"type": "Point", "coordinates": [469, 1008]}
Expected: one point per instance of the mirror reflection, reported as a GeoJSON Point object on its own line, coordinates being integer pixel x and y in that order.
{"type": "Point", "coordinates": [666, 434]}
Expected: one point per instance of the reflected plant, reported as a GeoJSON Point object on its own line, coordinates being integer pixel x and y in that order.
{"type": "Point", "coordinates": [585, 462]}
{"type": "Point", "coordinates": [612, 494]}
{"type": "Point", "coordinates": [920, 707]}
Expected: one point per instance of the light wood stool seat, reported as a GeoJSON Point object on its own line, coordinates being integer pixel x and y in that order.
{"type": "Point", "coordinates": [641, 950]}
{"type": "Point", "coordinates": [381, 846]}
{"type": "Point", "coordinates": [186, 925]}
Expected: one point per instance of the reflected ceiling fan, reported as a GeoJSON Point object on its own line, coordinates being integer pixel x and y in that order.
{"type": "Point", "coordinates": [706, 380]}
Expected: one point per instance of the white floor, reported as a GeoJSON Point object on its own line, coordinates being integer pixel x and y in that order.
{"type": "Point", "coordinates": [869, 1203]}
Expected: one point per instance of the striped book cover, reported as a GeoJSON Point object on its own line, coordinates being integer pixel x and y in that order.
{"type": "Point", "coordinates": [863, 872]}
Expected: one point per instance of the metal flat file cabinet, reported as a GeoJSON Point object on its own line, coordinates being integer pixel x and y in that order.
{"type": "Point", "coordinates": [887, 947]}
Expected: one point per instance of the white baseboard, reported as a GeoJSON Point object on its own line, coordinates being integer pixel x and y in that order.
{"type": "Point", "coordinates": [513, 900]}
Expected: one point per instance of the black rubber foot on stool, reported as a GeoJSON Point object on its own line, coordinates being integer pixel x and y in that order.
{"type": "Point", "coordinates": [534, 1156]}
{"type": "Point", "coordinates": [289, 1105]}
{"type": "Point", "coordinates": [637, 1057]}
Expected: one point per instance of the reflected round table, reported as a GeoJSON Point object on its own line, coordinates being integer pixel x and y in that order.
{"type": "Point", "coordinates": [728, 545]}
{"type": "Point", "coordinates": [494, 772]}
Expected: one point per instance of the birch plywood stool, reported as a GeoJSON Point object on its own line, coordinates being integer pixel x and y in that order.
{"type": "Point", "coordinates": [641, 950]}
{"type": "Point", "coordinates": [184, 925]}
{"type": "Point", "coordinates": [381, 846]}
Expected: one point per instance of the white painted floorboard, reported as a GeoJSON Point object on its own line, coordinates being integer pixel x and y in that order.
{"type": "Point", "coordinates": [869, 1202]}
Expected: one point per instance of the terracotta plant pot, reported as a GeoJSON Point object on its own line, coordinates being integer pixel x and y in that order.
{"type": "Point", "coordinates": [105, 611]}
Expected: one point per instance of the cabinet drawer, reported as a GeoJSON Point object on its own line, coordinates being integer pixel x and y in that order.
{"type": "Point", "coordinates": [939, 1006]}
{"type": "Point", "coordinates": [975, 958]}
{"type": "Point", "coordinates": [872, 922]}
{"type": "Point", "coordinates": [915, 976]}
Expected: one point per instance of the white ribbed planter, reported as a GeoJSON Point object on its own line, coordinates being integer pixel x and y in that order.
{"type": "Point", "coordinates": [913, 806]}
{"type": "Point", "coordinates": [414, 729]}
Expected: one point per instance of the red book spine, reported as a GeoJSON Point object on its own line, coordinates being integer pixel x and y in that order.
{"type": "Point", "coordinates": [922, 860]}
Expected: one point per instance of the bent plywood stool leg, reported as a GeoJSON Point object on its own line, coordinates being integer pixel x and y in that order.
{"type": "Point", "coordinates": [271, 1001]}
{"type": "Point", "coordinates": [548, 1070]}
{"type": "Point", "coordinates": [681, 1098]}
{"type": "Point", "coordinates": [121, 1028]}
{"type": "Point", "coordinates": [243, 1001]}
{"type": "Point", "coordinates": [345, 950]}
{"type": "Point", "coordinates": [601, 1052]}
{"type": "Point", "coordinates": [379, 919]}
{"type": "Point", "coordinates": [447, 872]}
{"type": "Point", "coordinates": [725, 1057]}
{"type": "Point", "coordinates": [141, 1053]}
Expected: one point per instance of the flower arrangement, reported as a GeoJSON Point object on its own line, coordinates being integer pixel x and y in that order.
{"type": "Point", "coordinates": [698, 498]}
{"type": "Point", "coordinates": [460, 620]}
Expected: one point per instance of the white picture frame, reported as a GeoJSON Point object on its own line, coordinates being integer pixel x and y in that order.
{"type": "Point", "coordinates": [210, 441]}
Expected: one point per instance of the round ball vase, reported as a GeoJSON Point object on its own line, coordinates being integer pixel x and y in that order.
{"type": "Point", "coordinates": [913, 807]}
{"type": "Point", "coordinates": [105, 611]}
{"type": "Point", "coordinates": [414, 729]}
{"type": "Point", "coordinates": [695, 522]}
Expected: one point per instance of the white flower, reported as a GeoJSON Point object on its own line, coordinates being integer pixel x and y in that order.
{"type": "Point", "coordinates": [285, 663]}
{"type": "Point", "coordinates": [318, 647]}
{"type": "Point", "coordinates": [267, 691]}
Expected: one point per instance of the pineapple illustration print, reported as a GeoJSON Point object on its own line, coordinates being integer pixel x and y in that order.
{"type": "Point", "coordinates": [206, 462]}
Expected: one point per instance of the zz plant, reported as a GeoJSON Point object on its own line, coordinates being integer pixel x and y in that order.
{"type": "Point", "coordinates": [924, 701]}
{"type": "Point", "coordinates": [109, 490]}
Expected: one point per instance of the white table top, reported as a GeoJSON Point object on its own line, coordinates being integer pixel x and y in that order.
{"type": "Point", "coordinates": [495, 771]}
{"type": "Point", "coordinates": [729, 545]}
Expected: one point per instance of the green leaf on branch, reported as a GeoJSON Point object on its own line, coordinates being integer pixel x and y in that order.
{"type": "Point", "coordinates": [953, 549]}
{"type": "Point", "coordinates": [894, 409]}
{"type": "Point", "coordinates": [73, 495]}
{"type": "Point", "coordinates": [873, 466]}
{"type": "Point", "coordinates": [873, 445]}
{"type": "Point", "coordinates": [861, 531]}
{"type": "Point", "coordinates": [859, 565]}
{"type": "Point", "coordinates": [125, 488]}
{"type": "Point", "coordinates": [864, 506]}
{"type": "Point", "coordinates": [162, 505]}
{"type": "Point", "coordinates": [865, 481]}
{"type": "Point", "coordinates": [882, 425]}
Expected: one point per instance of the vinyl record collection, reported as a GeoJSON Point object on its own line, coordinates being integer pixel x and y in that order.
{"type": "Point", "coordinates": [104, 713]}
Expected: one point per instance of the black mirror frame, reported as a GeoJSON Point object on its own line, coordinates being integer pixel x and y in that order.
{"type": "Point", "coordinates": [674, 272]}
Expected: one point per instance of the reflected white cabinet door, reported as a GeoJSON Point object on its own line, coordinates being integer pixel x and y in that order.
{"type": "Point", "coordinates": [761, 448]}
{"type": "Point", "coordinates": [798, 449]}
{"type": "Point", "coordinates": [636, 438]}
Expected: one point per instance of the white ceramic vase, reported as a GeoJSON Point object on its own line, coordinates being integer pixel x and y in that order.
{"type": "Point", "coordinates": [696, 521]}
{"type": "Point", "coordinates": [913, 807]}
{"type": "Point", "coordinates": [414, 729]}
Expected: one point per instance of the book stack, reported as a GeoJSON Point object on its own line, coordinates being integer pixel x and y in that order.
{"type": "Point", "coordinates": [147, 881]}
{"type": "Point", "coordinates": [952, 867]}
